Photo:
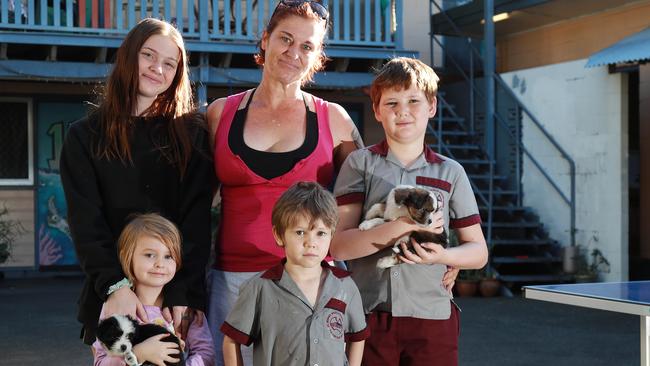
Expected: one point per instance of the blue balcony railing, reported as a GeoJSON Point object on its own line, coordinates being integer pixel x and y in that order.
{"type": "Point", "coordinates": [366, 23]}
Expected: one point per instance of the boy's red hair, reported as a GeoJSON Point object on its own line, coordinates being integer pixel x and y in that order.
{"type": "Point", "coordinates": [399, 73]}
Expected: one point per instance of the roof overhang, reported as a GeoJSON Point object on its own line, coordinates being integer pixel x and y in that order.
{"type": "Point", "coordinates": [630, 49]}
{"type": "Point", "coordinates": [524, 15]}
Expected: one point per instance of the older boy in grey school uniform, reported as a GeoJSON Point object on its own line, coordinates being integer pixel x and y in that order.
{"type": "Point", "coordinates": [302, 311]}
{"type": "Point", "coordinates": [411, 317]}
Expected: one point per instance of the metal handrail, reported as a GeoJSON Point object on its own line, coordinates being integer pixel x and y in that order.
{"type": "Point", "coordinates": [443, 146]}
{"type": "Point", "coordinates": [474, 52]}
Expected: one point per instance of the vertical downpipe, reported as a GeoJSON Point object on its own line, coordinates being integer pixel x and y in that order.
{"type": "Point", "coordinates": [204, 76]}
{"type": "Point", "coordinates": [488, 64]}
{"type": "Point", "coordinates": [471, 87]}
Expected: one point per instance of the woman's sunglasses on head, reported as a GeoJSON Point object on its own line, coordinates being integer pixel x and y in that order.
{"type": "Point", "coordinates": [317, 8]}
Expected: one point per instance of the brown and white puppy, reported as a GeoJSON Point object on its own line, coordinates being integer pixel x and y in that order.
{"type": "Point", "coordinates": [418, 204]}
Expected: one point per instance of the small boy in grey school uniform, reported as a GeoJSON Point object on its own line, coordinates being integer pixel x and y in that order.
{"type": "Point", "coordinates": [411, 317]}
{"type": "Point", "coordinates": [302, 311]}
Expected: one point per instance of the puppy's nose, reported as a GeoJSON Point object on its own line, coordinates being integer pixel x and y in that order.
{"type": "Point", "coordinates": [123, 347]}
{"type": "Point", "coordinates": [429, 221]}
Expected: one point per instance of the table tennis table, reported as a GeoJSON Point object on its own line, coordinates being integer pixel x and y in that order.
{"type": "Point", "coordinates": [623, 297]}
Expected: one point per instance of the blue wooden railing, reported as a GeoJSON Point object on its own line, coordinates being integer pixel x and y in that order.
{"type": "Point", "coordinates": [370, 23]}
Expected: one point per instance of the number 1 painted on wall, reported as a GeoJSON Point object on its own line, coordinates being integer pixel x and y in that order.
{"type": "Point", "coordinates": [56, 132]}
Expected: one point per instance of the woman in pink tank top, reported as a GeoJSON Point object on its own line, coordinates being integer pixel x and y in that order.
{"type": "Point", "coordinates": [265, 139]}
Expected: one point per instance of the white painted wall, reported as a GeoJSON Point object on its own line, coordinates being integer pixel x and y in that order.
{"type": "Point", "coordinates": [585, 110]}
{"type": "Point", "coordinates": [416, 30]}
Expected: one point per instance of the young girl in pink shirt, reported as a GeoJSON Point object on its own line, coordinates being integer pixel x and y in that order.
{"type": "Point", "coordinates": [149, 249]}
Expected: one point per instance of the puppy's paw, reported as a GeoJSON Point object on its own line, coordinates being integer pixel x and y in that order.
{"type": "Point", "coordinates": [130, 359]}
{"type": "Point", "coordinates": [376, 211]}
{"type": "Point", "coordinates": [387, 262]}
{"type": "Point", "coordinates": [406, 239]}
{"type": "Point", "coordinates": [369, 224]}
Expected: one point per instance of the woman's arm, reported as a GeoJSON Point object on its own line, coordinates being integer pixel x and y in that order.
{"type": "Point", "coordinates": [187, 288]}
{"type": "Point", "coordinates": [91, 234]}
{"type": "Point", "coordinates": [213, 116]}
{"type": "Point", "coordinates": [231, 352]}
{"type": "Point", "coordinates": [93, 239]}
{"type": "Point", "coordinates": [345, 134]}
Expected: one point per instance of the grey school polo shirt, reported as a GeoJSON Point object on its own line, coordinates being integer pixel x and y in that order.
{"type": "Point", "coordinates": [367, 176]}
{"type": "Point", "coordinates": [273, 314]}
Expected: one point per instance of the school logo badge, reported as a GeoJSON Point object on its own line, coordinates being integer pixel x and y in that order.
{"type": "Point", "coordinates": [440, 198]}
{"type": "Point", "coordinates": [335, 324]}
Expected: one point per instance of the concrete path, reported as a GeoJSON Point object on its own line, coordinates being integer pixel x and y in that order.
{"type": "Point", "coordinates": [38, 327]}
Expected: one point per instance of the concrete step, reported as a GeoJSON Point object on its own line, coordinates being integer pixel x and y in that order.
{"type": "Point", "coordinates": [487, 177]}
{"type": "Point", "coordinates": [514, 225]}
{"type": "Point", "coordinates": [462, 146]}
{"type": "Point", "coordinates": [464, 162]}
{"type": "Point", "coordinates": [524, 259]}
{"type": "Point", "coordinates": [530, 278]}
{"type": "Point", "coordinates": [498, 192]}
{"type": "Point", "coordinates": [522, 242]}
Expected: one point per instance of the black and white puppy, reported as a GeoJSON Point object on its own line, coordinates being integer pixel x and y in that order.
{"type": "Point", "coordinates": [119, 333]}
{"type": "Point", "coordinates": [418, 204]}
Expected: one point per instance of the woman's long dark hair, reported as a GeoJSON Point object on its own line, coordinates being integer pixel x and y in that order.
{"type": "Point", "coordinates": [120, 94]}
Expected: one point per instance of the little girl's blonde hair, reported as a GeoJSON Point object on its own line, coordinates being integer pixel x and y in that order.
{"type": "Point", "coordinates": [147, 225]}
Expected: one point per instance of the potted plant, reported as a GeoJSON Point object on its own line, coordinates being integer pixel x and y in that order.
{"type": "Point", "coordinates": [590, 266]}
{"type": "Point", "coordinates": [489, 285]}
{"type": "Point", "coordinates": [467, 282]}
{"type": "Point", "coordinates": [9, 232]}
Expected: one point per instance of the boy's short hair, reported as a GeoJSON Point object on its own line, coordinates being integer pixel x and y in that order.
{"type": "Point", "coordinates": [147, 225]}
{"type": "Point", "coordinates": [399, 73]}
{"type": "Point", "coordinates": [304, 199]}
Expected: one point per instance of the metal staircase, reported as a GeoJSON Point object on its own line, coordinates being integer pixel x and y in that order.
{"type": "Point", "coordinates": [521, 250]}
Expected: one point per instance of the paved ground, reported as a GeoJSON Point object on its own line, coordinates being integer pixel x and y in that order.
{"type": "Point", "coordinates": [38, 327]}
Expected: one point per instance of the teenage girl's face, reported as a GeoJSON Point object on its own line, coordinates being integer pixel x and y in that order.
{"type": "Point", "coordinates": [293, 47]}
{"type": "Point", "coordinates": [153, 265]}
{"type": "Point", "coordinates": [305, 246]}
{"type": "Point", "coordinates": [157, 63]}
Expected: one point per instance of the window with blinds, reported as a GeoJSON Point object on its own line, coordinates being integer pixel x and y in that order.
{"type": "Point", "coordinates": [16, 158]}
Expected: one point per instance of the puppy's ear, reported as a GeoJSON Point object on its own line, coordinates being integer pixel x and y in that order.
{"type": "Point", "coordinates": [105, 326]}
{"type": "Point", "coordinates": [401, 195]}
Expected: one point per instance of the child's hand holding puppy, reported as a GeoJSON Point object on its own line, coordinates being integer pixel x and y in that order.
{"type": "Point", "coordinates": [155, 351]}
{"type": "Point", "coordinates": [425, 253]}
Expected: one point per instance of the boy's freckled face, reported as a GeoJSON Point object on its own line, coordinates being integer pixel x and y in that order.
{"type": "Point", "coordinates": [305, 246]}
{"type": "Point", "coordinates": [404, 113]}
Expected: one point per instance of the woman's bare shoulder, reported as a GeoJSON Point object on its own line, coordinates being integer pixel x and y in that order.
{"type": "Point", "coordinates": [342, 126]}
{"type": "Point", "coordinates": [213, 114]}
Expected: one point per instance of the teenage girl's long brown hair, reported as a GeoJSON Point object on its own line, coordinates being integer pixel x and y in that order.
{"type": "Point", "coordinates": [120, 97]}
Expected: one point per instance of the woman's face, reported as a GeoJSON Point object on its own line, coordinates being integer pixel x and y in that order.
{"type": "Point", "coordinates": [157, 63]}
{"type": "Point", "coordinates": [292, 48]}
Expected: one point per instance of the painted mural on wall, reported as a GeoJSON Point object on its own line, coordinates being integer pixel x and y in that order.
{"type": "Point", "coordinates": [54, 242]}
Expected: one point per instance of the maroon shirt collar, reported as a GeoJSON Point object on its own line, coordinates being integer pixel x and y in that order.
{"type": "Point", "coordinates": [275, 272]}
{"type": "Point", "coordinates": [430, 155]}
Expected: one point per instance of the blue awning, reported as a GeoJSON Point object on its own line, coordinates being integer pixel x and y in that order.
{"type": "Point", "coordinates": [633, 48]}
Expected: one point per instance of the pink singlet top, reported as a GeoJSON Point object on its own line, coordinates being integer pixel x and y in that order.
{"type": "Point", "coordinates": [245, 242]}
